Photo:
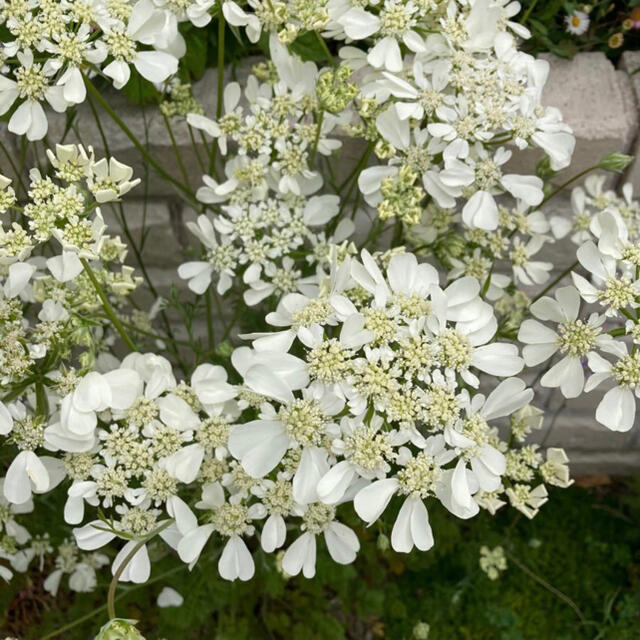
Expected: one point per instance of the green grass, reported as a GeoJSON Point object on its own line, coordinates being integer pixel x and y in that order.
{"type": "Point", "coordinates": [584, 544]}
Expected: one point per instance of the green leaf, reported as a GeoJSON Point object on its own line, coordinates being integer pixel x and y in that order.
{"type": "Point", "coordinates": [308, 47]}
{"type": "Point", "coordinates": [195, 59]}
{"type": "Point", "coordinates": [138, 90]}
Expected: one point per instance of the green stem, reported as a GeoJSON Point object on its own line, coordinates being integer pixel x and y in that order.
{"type": "Point", "coordinates": [549, 587]}
{"type": "Point", "coordinates": [210, 335]}
{"type": "Point", "coordinates": [136, 587]}
{"type": "Point", "coordinates": [111, 608]}
{"type": "Point", "coordinates": [527, 13]}
{"type": "Point", "coordinates": [325, 48]}
{"type": "Point", "coordinates": [220, 88]}
{"type": "Point", "coordinates": [136, 143]}
{"type": "Point", "coordinates": [627, 314]}
{"type": "Point", "coordinates": [564, 185]}
{"type": "Point", "coordinates": [176, 151]}
{"type": "Point", "coordinates": [108, 309]}
{"type": "Point", "coordinates": [17, 173]}
{"type": "Point", "coordinates": [155, 336]}
{"type": "Point", "coordinates": [236, 316]}
{"type": "Point", "coordinates": [220, 95]}
{"type": "Point", "coordinates": [314, 150]}
{"type": "Point", "coordinates": [555, 281]}
{"type": "Point", "coordinates": [195, 149]}
{"type": "Point", "coordinates": [487, 282]}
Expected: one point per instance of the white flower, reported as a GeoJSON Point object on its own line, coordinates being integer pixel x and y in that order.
{"type": "Point", "coordinates": [577, 22]}
{"type": "Point", "coordinates": [32, 85]}
{"type": "Point", "coordinates": [420, 478]}
{"type": "Point", "coordinates": [574, 339]}
{"type": "Point", "coordinates": [617, 409]}
{"type": "Point", "coordinates": [144, 24]}
{"type": "Point", "coordinates": [471, 437]}
{"type": "Point", "coordinates": [169, 597]}
{"type": "Point", "coordinates": [342, 543]}
{"type": "Point", "coordinates": [613, 291]}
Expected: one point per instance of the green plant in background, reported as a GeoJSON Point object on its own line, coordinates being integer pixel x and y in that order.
{"type": "Point", "coordinates": [572, 574]}
{"type": "Point", "coordinates": [310, 401]}
{"type": "Point", "coordinates": [565, 27]}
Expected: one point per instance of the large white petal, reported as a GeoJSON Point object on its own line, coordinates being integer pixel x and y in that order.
{"type": "Point", "coordinates": [370, 502]}
{"type": "Point", "coordinates": [342, 543]}
{"type": "Point", "coordinates": [617, 409]}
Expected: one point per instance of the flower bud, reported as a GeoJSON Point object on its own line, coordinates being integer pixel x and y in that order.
{"type": "Point", "coordinates": [119, 629]}
{"type": "Point", "coordinates": [383, 542]}
{"type": "Point", "coordinates": [615, 162]}
{"type": "Point", "coordinates": [421, 630]}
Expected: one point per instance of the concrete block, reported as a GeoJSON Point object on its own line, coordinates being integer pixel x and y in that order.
{"type": "Point", "coordinates": [596, 101]}
{"type": "Point", "coordinates": [615, 463]}
{"type": "Point", "coordinates": [9, 146]}
{"type": "Point", "coordinates": [630, 64]}
{"type": "Point", "coordinates": [155, 227]}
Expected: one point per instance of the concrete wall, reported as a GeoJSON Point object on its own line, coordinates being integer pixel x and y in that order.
{"type": "Point", "coordinates": [598, 101]}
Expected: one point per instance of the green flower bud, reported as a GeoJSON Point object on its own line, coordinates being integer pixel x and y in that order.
{"type": "Point", "coordinates": [544, 170]}
{"type": "Point", "coordinates": [119, 629]}
{"type": "Point", "coordinates": [421, 631]}
{"type": "Point", "coordinates": [617, 162]}
{"type": "Point", "coordinates": [224, 349]}
{"type": "Point", "coordinates": [383, 542]}
{"type": "Point", "coordinates": [333, 89]}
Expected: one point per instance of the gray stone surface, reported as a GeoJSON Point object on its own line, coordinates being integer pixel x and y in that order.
{"type": "Point", "coordinates": [8, 141]}
{"type": "Point", "coordinates": [620, 463]}
{"type": "Point", "coordinates": [155, 227]}
{"type": "Point", "coordinates": [630, 64]}
{"type": "Point", "coordinates": [596, 101]}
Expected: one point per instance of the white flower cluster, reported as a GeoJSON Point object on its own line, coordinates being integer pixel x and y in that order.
{"type": "Point", "coordinates": [50, 312]}
{"type": "Point", "coordinates": [266, 228]}
{"type": "Point", "coordinates": [54, 46]}
{"type": "Point", "coordinates": [382, 382]}
{"type": "Point", "coordinates": [45, 302]}
{"type": "Point", "coordinates": [382, 402]}
{"type": "Point", "coordinates": [607, 229]}
{"type": "Point", "coordinates": [445, 113]}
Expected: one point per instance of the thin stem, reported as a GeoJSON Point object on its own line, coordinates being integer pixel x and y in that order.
{"type": "Point", "coordinates": [314, 150]}
{"type": "Point", "coordinates": [108, 309]}
{"type": "Point", "coordinates": [194, 144]}
{"type": "Point", "coordinates": [357, 168]}
{"type": "Point", "coordinates": [176, 150]}
{"type": "Point", "coordinates": [210, 335]}
{"type": "Point", "coordinates": [527, 13]}
{"type": "Point", "coordinates": [325, 48]}
{"type": "Point", "coordinates": [232, 324]}
{"type": "Point", "coordinates": [136, 143]}
{"type": "Point", "coordinates": [549, 587]}
{"type": "Point", "coordinates": [135, 587]}
{"type": "Point", "coordinates": [220, 89]}
{"type": "Point", "coordinates": [111, 608]}
{"type": "Point", "coordinates": [564, 185]}
{"type": "Point", "coordinates": [487, 282]}
{"type": "Point", "coordinates": [155, 336]}
{"type": "Point", "coordinates": [17, 173]}
{"type": "Point", "coordinates": [220, 94]}
{"type": "Point", "coordinates": [555, 281]}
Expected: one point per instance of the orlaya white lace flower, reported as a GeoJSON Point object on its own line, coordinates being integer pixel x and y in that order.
{"type": "Point", "coordinates": [617, 409]}
{"type": "Point", "coordinates": [574, 339]}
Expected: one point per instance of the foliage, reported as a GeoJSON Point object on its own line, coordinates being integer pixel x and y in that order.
{"type": "Point", "coordinates": [595, 560]}
{"type": "Point", "coordinates": [613, 27]}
